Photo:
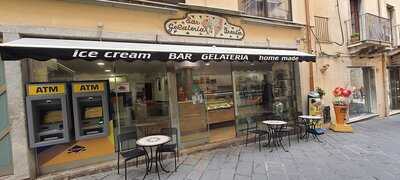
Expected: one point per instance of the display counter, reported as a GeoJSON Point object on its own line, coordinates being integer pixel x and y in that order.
{"type": "Point", "coordinates": [220, 107]}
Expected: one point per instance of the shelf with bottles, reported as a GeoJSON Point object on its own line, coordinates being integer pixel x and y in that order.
{"type": "Point", "coordinates": [206, 84]}
{"type": "Point", "coordinates": [221, 93]}
{"type": "Point", "coordinates": [250, 101]}
{"type": "Point", "coordinates": [250, 93]}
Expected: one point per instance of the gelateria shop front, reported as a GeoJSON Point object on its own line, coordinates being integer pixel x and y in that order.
{"type": "Point", "coordinates": [81, 94]}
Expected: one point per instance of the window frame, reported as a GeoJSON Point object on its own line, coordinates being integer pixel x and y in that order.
{"type": "Point", "coordinates": [320, 33]}
{"type": "Point", "coordinates": [266, 13]}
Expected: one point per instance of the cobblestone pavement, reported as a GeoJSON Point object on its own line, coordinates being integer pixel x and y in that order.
{"type": "Point", "coordinates": [372, 152]}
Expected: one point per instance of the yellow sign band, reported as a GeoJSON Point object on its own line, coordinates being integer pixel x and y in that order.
{"type": "Point", "coordinates": [88, 87]}
{"type": "Point", "coordinates": [45, 89]}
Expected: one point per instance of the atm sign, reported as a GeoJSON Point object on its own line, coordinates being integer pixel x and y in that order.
{"type": "Point", "coordinates": [45, 89]}
{"type": "Point", "coordinates": [88, 87]}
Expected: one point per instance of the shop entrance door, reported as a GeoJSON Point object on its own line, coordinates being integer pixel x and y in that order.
{"type": "Point", "coordinates": [394, 74]}
{"type": "Point", "coordinates": [205, 98]}
{"type": "Point", "coordinates": [363, 91]}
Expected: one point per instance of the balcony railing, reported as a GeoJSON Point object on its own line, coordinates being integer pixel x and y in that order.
{"type": "Point", "coordinates": [368, 28]}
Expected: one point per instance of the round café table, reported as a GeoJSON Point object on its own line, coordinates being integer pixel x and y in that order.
{"type": "Point", "coordinates": [274, 127]}
{"type": "Point", "coordinates": [310, 123]}
{"type": "Point", "coordinates": [151, 142]}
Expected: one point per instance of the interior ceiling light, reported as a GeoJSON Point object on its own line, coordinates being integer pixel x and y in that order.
{"type": "Point", "coordinates": [100, 63]}
{"type": "Point", "coordinates": [107, 70]}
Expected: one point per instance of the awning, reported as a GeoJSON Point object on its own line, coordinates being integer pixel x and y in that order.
{"type": "Point", "coordinates": [45, 49]}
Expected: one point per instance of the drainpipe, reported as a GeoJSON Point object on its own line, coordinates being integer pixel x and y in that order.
{"type": "Point", "coordinates": [383, 57]}
{"type": "Point", "coordinates": [379, 8]}
{"type": "Point", "coordinates": [308, 38]}
{"type": "Point", "coordinates": [385, 93]}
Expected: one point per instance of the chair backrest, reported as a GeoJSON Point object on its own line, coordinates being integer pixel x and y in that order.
{"type": "Point", "coordinates": [251, 122]}
{"type": "Point", "coordinates": [171, 132]}
{"type": "Point", "coordinates": [297, 117]}
{"type": "Point", "coordinates": [126, 141]}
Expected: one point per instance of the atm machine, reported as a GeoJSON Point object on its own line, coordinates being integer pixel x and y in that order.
{"type": "Point", "coordinates": [90, 100]}
{"type": "Point", "coordinates": [48, 114]}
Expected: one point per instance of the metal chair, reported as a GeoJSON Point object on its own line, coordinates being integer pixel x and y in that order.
{"type": "Point", "coordinates": [171, 147]}
{"type": "Point", "coordinates": [252, 128]}
{"type": "Point", "coordinates": [286, 130]}
{"type": "Point", "coordinates": [128, 150]}
{"type": "Point", "coordinates": [311, 128]}
{"type": "Point", "coordinates": [300, 127]}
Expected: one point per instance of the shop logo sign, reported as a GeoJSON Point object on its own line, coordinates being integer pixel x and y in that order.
{"type": "Point", "coordinates": [76, 149]}
{"type": "Point", "coordinates": [204, 25]}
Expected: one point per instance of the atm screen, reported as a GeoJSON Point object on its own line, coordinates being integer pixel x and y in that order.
{"type": "Point", "coordinates": [91, 115]}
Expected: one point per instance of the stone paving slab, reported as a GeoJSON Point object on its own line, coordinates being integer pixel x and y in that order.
{"type": "Point", "coordinates": [372, 152]}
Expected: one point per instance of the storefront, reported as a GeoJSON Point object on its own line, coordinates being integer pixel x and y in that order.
{"type": "Point", "coordinates": [92, 91]}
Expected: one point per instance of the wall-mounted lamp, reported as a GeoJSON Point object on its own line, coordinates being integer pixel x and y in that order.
{"type": "Point", "coordinates": [324, 68]}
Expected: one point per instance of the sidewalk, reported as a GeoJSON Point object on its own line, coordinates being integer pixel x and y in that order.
{"type": "Point", "coordinates": [370, 153]}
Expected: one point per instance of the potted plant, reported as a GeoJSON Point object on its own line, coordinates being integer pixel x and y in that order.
{"type": "Point", "coordinates": [341, 106]}
{"type": "Point", "coordinates": [355, 37]}
{"type": "Point", "coordinates": [321, 92]}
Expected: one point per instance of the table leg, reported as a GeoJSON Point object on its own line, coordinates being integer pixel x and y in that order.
{"type": "Point", "coordinates": [160, 161]}
{"type": "Point", "coordinates": [148, 167]}
{"type": "Point", "coordinates": [153, 159]}
{"type": "Point", "coordinates": [281, 144]}
{"type": "Point", "coordinates": [158, 172]}
{"type": "Point", "coordinates": [274, 143]}
{"type": "Point", "coordinates": [269, 134]}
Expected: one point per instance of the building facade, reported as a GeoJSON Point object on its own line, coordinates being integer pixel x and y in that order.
{"type": "Point", "coordinates": [66, 108]}
{"type": "Point", "coordinates": [356, 42]}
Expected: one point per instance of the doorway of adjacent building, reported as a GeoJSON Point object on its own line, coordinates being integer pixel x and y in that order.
{"type": "Point", "coordinates": [363, 100]}
{"type": "Point", "coordinates": [394, 75]}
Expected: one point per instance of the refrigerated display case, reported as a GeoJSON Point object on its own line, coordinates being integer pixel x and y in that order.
{"type": "Point", "coordinates": [48, 114]}
{"type": "Point", "coordinates": [90, 101]}
{"type": "Point", "coordinates": [220, 107]}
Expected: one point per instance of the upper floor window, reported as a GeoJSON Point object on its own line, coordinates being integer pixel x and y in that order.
{"type": "Point", "coordinates": [321, 29]}
{"type": "Point", "coordinates": [278, 9]}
